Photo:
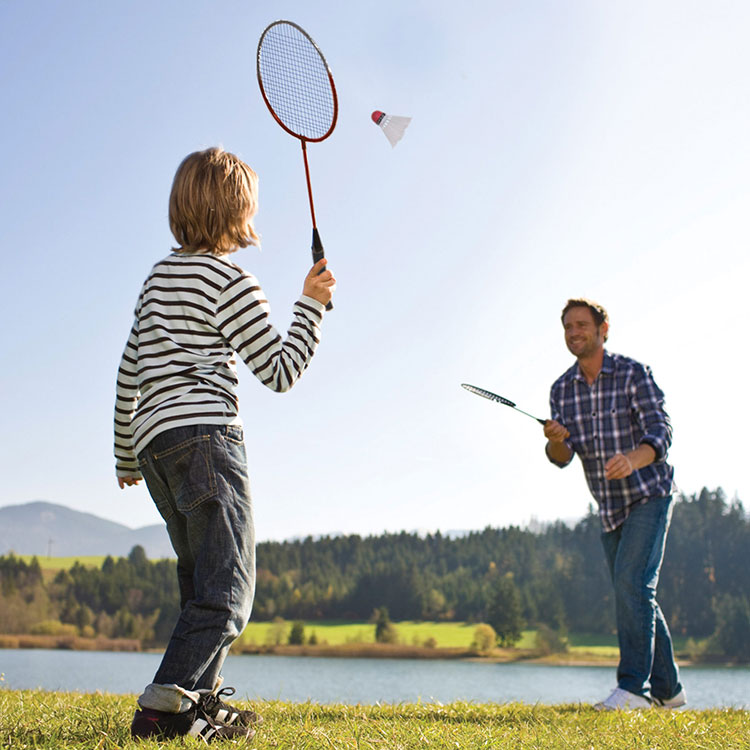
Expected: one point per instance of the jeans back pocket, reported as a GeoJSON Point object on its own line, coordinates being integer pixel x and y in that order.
{"type": "Point", "coordinates": [188, 469]}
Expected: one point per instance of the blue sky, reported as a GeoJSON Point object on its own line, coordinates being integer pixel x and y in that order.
{"type": "Point", "coordinates": [556, 150]}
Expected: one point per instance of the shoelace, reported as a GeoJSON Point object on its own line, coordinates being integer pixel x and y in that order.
{"type": "Point", "coordinates": [213, 700]}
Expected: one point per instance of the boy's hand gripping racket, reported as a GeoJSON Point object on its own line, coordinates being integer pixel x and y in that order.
{"type": "Point", "coordinates": [500, 400]}
{"type": "Point", "coordinates": [297, 87]}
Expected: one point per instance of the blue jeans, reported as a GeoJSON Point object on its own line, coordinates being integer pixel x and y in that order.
{"type": "Point", "coordinates": [634, 552]}
{"type": "Point", "coordinates": [197, 476]}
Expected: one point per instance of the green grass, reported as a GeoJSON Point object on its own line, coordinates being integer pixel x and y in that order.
{"type": "Point", "coordinates": [72, 721]}
{"type": "Point", "coordinates": [65, 563]}
{"type": "Point", "coordinates": [335, 633]}
{"type": "Point", "coordinates": [605, 646]}
{"type": "Point", "coordinates": [598, 652]}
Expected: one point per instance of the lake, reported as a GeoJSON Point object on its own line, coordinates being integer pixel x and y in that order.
{"type": "Point", "coordinates": [366, 681]}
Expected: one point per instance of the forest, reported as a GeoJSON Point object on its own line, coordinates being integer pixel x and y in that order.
{"type": "Point", "coordinates": [553, 577]}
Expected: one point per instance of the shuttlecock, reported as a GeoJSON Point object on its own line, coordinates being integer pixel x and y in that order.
{"type": "Point", "coordinates": [392, 125]}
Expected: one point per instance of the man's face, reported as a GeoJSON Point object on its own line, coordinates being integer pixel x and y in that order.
{"type": "Point", "coordinates": [582, 337]}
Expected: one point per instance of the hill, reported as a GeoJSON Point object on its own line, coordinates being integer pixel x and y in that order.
{"type": "Point", "coordinates": [42, 528]}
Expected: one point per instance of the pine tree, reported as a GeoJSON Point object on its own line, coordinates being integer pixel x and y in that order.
{"type": "Point", "coordinates": [504, 610]}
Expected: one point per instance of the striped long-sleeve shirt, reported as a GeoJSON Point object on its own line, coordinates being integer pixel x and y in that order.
{"type": "Point", "coordinates": [622, 409]}
{"type": "Point", "coordinates": [194, 312]}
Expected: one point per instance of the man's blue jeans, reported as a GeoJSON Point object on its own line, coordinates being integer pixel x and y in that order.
{"type": "Point", "coordinates": [197, 476]}
{"type": "Point", "coordinates": [634, 552]}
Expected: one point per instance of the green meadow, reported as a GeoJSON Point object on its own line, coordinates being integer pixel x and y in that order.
{"type": "Point", "coordinates": [73, 721]}
{"type": "Point", "coordinates": [65, 563]}
{"type": "Point", "coordinates": [582, 646]}
{"type": "Point", "coordinates": [336, 633]}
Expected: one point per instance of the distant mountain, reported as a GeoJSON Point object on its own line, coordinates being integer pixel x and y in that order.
{"type": "Point", "coordinates": [41, 528]}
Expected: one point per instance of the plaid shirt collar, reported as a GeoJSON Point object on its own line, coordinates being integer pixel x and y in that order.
{"type": "Point", "coordinates": [608, 367]}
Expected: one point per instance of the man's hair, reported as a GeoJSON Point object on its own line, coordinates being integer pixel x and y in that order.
{"type": "Point", "coordinates": [212, 204]}
{"type": "Point", "coordinates": [597, 311]}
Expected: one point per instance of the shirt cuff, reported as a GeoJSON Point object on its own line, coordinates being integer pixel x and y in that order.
{"type": "Point", "coordinates": [561, 464]}
{"type": "Point", "coordinates": [122, 472]}
{"type": "Point", "coordinates": [306, 301]}
{"type": "Point", "coordinates": [658, 447]}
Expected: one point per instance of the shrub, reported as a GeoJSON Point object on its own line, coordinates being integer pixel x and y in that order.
{"type": "Point", "coordinates": [485, 638]}
{"type": "Point", "coordinates": [297, 633]}
{"type": "Point", "coordinates": [385, 630]}
{"type": "Point", "coordinates": [53, 627]}
{"type": "Point", "coordinates": [275, 632]}
{"type": "Point", "coordinates": [550, 641]}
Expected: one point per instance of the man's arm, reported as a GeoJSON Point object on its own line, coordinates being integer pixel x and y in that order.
{"type": "Point", "coordinates": [648, 404]}
{"type": "Point", "coordinates": [622, 465]}
{"type": "Point", "coordinates": [557, 449]}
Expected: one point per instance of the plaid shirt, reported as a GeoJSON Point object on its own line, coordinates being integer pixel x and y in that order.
{"type": "Point", "coordinates": [621, 410]}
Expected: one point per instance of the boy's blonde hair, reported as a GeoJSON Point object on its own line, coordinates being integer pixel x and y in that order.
{"type": "Point", "coordinates": [212, 204]}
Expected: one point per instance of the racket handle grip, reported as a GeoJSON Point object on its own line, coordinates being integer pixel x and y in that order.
{"type": "Point", "coordinates": [318, 253]}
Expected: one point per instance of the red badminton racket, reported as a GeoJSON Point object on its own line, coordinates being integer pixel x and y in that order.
{"type": "Point", "coordinates": [297, 87]}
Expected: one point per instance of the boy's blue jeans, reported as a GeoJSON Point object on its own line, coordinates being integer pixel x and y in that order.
{"type": "Point", "coordinates": [634, 552]}
{"type": "Point", "coordinates": [197, 476]}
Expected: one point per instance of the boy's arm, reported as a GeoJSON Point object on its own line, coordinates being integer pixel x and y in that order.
{"type": "Point", "coordinates": [242, 317]}
{"type": "Point", "coordinates": [126, 463]}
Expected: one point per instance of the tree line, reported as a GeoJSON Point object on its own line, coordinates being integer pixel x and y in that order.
{"type": "Point", "coordinates": [553, 577]}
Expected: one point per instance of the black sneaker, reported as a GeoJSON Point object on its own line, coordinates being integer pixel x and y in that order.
{"type": "Point", "coordinates": [226, 714]}
{"type": "Point", "coordinates": [148, 722]}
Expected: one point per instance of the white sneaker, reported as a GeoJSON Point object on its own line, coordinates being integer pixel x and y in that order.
{"type": "Point", "coordinates": [675, 702]}
{"type": "Point", "coordinates": [622, 700]}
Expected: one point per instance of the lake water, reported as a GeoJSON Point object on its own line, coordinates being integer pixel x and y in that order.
{"type": "Point", "coordinates": [365, 681]}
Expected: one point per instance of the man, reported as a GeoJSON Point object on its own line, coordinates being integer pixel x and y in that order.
{"type": "Point", "coordinates": [607, 409]}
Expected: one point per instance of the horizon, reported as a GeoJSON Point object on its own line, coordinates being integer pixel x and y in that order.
{"type": "Point", "coordinates": [533, 525]}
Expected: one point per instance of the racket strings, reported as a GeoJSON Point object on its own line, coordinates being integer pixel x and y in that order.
{"type": "Point", "coordinates": [296, 82]}
{"type": "Point", "coordinates": [487, 394]}
{"type": "Point", "coordinates": [499, 399]}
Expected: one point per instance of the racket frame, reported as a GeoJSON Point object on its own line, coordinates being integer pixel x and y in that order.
{"type": "Point", "coordinates": [334, 119]}
{"type": "Point", "coordinates": [499, 399]}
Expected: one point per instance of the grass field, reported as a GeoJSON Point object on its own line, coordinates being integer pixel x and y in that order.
{"type": "Point", "coordinates": [605, 646]}
{"type": "Point", "coordinates": [583, 647]}
{"type": "Point", "coordinates": [64, 563]}
{"type": "Point", "coordinates": [53, 721]}
{"type": "Point", "coordinates": [334, 633]}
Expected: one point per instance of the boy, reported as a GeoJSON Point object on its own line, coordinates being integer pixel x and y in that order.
{"type": "Point", "coordinates": [177, 426]}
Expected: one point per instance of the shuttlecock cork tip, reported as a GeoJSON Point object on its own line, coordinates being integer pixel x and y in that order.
{"type": "Point", "coordinates": [377, 116]}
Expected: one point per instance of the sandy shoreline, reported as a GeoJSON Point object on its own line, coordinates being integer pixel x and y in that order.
{"type": "Point", "coordinates": [347, 650]}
